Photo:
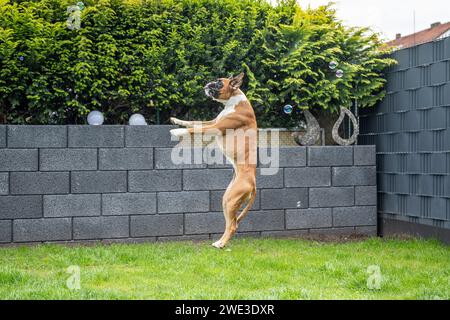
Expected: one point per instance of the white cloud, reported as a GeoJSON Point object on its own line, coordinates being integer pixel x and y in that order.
{"type": "Point", "coordinates": [389, 17]}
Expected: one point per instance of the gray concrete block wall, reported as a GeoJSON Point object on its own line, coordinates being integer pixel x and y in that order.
{"type": "Point", "coordinates": [411, 130]}
{"type": "Point", "coordinates": [118, 184]}
{"type": "Point", "coordinates": [4, 183]}
{"type": "Point", "coordinates": [2, 136]}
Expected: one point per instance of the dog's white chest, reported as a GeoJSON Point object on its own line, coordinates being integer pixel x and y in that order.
{"type": "Point", "coordinates": [225, 112]}
{"type": "Point", "coordinates": [230, 105]}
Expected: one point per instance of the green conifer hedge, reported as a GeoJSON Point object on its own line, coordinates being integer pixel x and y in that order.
{"type": "Point", "coordinates": [155, 56]}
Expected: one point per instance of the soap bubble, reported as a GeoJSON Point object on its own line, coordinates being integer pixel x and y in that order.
{"type": "Point", "coordinates": [95, 118]}
{"type": "Point", "coordinates": [21, 58]}
{"type": "Point", "coordinates": [288, 109]}
{"type": "Point", "coordinates": [53, 119]}
{"type": "Point", "coordinates": [137, 120]}
{"type": "Point", "coordinates": [80, 5]}
{"type": "Point", "coordinates": [339, 73]}
{"type": "Point", "coordinates": [333, 65]}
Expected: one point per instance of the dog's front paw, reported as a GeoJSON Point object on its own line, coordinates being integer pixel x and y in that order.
{"type": "Point", "coordinates": [179, 132]}
{"type": "Point", "coordinates": [174, 120]}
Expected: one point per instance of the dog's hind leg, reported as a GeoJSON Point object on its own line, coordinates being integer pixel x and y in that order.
{"type": "Point", "coordinates": [230, 210]}
{"type": "Point", "coordinates": [251, 201]}
{"type": "Point", "coordinates": [228, 219]}
{"type": "Point", "coordinates": [233, 199]}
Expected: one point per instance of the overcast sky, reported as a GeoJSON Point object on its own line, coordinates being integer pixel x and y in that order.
{"type": "Point", "coordinates": [389, 16]}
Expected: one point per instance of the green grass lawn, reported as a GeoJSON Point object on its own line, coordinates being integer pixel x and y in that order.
{"type": "Point", "coordinates": [249, 269]}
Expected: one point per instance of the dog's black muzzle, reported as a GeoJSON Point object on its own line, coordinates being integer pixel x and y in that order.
{"type": "Point", "coordinates": [212, 89]}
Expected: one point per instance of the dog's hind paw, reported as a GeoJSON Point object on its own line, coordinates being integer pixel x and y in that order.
{"type": "Point", "coordinates": [218, 245]}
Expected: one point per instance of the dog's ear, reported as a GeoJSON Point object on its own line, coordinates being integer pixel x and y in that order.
{"type": "Point", "coordinates": [236, 82]}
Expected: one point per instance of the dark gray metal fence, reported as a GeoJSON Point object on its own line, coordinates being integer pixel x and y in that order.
{"type": "Point", "coordinates": [411, 129]}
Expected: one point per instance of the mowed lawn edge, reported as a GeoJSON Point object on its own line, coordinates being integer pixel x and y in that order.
{"type": "Point", "coordinates": [287, 269]}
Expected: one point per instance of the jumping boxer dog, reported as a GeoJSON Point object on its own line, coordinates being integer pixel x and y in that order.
{"type": "Point", "coordinates": [235, 129]}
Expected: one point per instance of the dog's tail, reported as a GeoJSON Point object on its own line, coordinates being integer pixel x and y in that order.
{"type": "Point", "coordinates": [251, 201]}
